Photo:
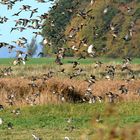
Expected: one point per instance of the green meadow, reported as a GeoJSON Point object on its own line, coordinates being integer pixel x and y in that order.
{"type": "Point", "coordinates": [50, 121]}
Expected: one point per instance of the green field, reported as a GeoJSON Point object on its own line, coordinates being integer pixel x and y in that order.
{"type": "Point", "coordinates": [119, 121]}
{"type": "Point", "coordinates": [50, 121]}
{"type": "Point", "coordinates": [43, 61]}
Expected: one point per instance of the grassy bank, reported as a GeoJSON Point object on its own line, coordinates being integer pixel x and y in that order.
{"type": "Point", "coordinates": [50, 122]}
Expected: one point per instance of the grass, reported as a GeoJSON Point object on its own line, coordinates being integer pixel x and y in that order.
{"type": "Point", "coordinates": [50, 121]}
{"type": "Point", "coordinates": [44, 61]}
{"type": "Point", "coordinates": [39, 66]}
{"type": "Point", "coordinates": [121, 121]}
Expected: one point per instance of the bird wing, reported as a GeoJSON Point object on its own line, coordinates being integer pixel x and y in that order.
{"type": "Point", "coordinates": [90, 49]}
{"type": "Point", "coordinates": [31, 14]}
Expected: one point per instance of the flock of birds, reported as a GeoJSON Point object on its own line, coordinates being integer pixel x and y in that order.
{"type": "Point", "coordinates": [72, 95]}
{"type": "Point", "coordinates": [22, 24]}
{"type": "Point", "coordinates": [37, 24]}
{"type": "Point", "coordinates": [114, 29]}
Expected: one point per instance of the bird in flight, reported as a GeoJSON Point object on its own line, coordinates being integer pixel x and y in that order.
{"type": "Point", "coordinates": [41, 1]}
{"type": "Point", "coordinates": [33, 12]}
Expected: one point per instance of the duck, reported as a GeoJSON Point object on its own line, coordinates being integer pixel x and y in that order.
{"type": "Point", "coordinates": [33, 11]}
{"type": "Point", "coordinates": [112, 97]}
{"type": "Point", "coordinates": [90, 50]}
{"type": "Point", "coordinates": [35, 137]}
{"type": "Point", "coordinates": [1, 121]}
{"type": "Point", "coordinates": [66, 138]}
{"type": "Point", "coordinates": [1, 107]}
{"type": "Point", "coordinates": [16, 111]}
{"type": "Point", "coordinates": [10, 125]}
{"type": "Point", "coordinates": [123, 89]}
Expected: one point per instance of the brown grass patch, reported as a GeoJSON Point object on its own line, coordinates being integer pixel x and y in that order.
{"type": "Point", "coordinates": [53, 90]}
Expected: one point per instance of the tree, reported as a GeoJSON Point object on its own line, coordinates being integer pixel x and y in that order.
{"type": "Point", "coordinates": [59, 17]}
{"type": "Point", "coordinates": [32, 47]}
{"type": "Point", "coordinates": [107, 31]}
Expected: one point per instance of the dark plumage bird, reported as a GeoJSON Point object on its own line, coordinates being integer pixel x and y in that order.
{"type": "Point", "coordinates": [41, 54]}
{"type": "Point", "coordinates": [23, 40]}
{"type": "Point", "coordinates": [110, 72]}
{"type": "Point", "coordinates": [41, 1]}
{"type": "Point", "coordinates": [18, 22]}
{"type": "Point", "coordinates": [75, 64]}
{"type": "Point", "coordinates": [16, 14]}
{"type": "Point", "coordinates": [24, 21]}
{"type": "Point", "coordinates": [3, 44]}
{"type": "Point", "coordinates": [33, 12]}
{"type": "Point", "coordinates": [91, 80]}
{"type": "Point", "coordinates": [100, 99]}
{"type": "Point", "coordinates": [1, 107]}
{"type": "Point", "coordinates": [76, 73]}
{"type": "Point", "coordinates": [10, 48]}
{"type": "Point", "coordinates": [10, 125]}
{"type": "Point", "coordinates": [6, 71]}
{"type": "Point", "coordinates": [84, 14]}
{"type": "Point", "coordinates": [43, 16]}
{"type": "Point", "coordinates": [25, 8]}
{"type": "Point", "coordinates": [16, 111]}
{"type": "Point", "coordinates": [32, 84]}
{"type": "Point", "coordinates": [112, 97]}
{"type": "Point", "coordinates": [3, 19]}
{"type": "Point", "coordinates": [58, 60]}
{"type": "Point", "coordinates": [98, 64]}
{"type": "Point", "coordinates": [37, 33]}
{"type": "Point", "coordinates": [123, 89]}
{"type": "Point", "coordinates": [13, 28]}
{"type": "Point", "coordinates": [62, 70]}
